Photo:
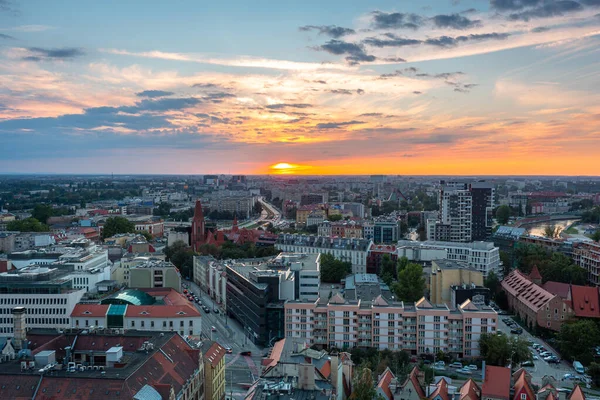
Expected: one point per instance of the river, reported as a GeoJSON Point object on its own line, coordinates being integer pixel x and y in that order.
{"type": "Point", "coordinates": [539, 229]}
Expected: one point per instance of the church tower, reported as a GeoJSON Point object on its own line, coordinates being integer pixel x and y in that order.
{"type": "Point", "coordinates": [198, 236]}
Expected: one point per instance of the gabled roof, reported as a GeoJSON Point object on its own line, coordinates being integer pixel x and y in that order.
{"type": "Point", "coordinates": [576, 394]}
{"type": "Point", "coordinates": [380, 301]}
{"type": "Point", "coordinates": [558, 288]}
{"type": "Point", "coordinates": [468, 305]}
{"type": "Point", "coordinates": [496, 383]}
{"type": "Point", "coordinates": [337, 299]}
{"type": "Point", "coordinates": [275, 354]}
{"type": "Point", "coordinates": [90, 310]}
{"type": "Point", "coordinates": [384, 383]}
{"type": "Point", "coordinates": [535, 273]}
{"type": "Point", "coordinates": [441, 390]}
{"type": "Point", "coordinates": [423, 303]}
{"type": "Point", "coordinates": [413, 378]}
{"type": "Point", "coordinates": [214, 354]}
{"type": "Point", "coordinates": [585, 301]}
{"type": "Point", "coordinates": [470, 390]}
{"type": "Point", "coordinates": [162, 311]}
{"type": "Point", "coordinates": [522, 386]}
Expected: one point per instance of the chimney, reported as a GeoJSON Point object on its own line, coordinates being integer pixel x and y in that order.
{"type": "Point", "coordinates": [483, 371]}
{"type": "Point", "coordinates": [19, 328]}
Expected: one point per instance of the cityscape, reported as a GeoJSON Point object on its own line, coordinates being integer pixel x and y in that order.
{"type": "Point", "coordinates": [385, 200]}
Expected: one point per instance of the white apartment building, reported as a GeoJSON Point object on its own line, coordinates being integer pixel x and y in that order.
{"type": "Point", "coordinates": [307, 272]}
{"type": "Point", "coordinates": [419, 328]}
{"type": "Point", "coordinates": [483, 256]}
{"type": "Point", "coordinates": [47, 294]}
{"type": "Point", "coordinates": [352, 250]}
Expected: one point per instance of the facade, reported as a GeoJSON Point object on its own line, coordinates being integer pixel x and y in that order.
{"type": "Point", "coordinates": [7, 241]}
{"type": "Point", "coordinates": [420, 328]}
{"type": "Point", "coordinates": [385, 231]}
{"type": "Point", "coordinates": [162, 310]}
{"type": "Point", "coordinates": [201, 265]}
{"type": "Point", "coordinates": [156, 228]}
{"type": "Point", "coordinates": [155, 274]}
{"type": "Point", "coordinates": [28, 241]}
{"type": "Point", "coordinates": [214, 372]}
{"type": "Point", "coordinates": [482, 194]}
{"type": "Point", "coordinates": [496, 383]}
{"type": "Point", "coordinates": [120, 270]}
{"type": "Point", "coordinates": [313, 198]}
{"type": "Point", "coordinates": [343, 229]}
{"type": "Point", "coordinates": [352, 250]}
{"type": "Point", "coordinates": [46, 292]}
{"type": "Point", "coordinates": [375, 256]}
{"type": "Point", "coordinates": [315, 218]}
{"type": "Point", "coordinates": [482, 256]}
{"type": "Point", "coordinates": [587, 256]}
{"type": "Point", "coordinates": [445, 274]}
{"type": "Point", "coordinates": [240, 206]}
{"type": "Point", "coordinates": [135, 365]}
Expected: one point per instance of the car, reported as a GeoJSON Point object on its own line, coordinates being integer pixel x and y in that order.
{"type": "Point", "coordinates": [541, 350]}
{"type": "Point", "coordinates": [554, 361]}
{"type": "Point", "coordinates": [535, 357]}
{"type": "Point", "coordinates": [212, 328]}
{"type": "Point", "coordinates": [440, 363]}
{"type": "Point", "coordinates": [199, 302]}
{"type": "Point", "coordinates": [530, 342]}
{"type": "Point", "coordinates": [545, 354]}
{"type": "Point", "coordinates": [472, 367]}
{"type": "Point", "coordinates": [527, 364]}
{"type": "Point", "coordinates": [216, 311]}
{"type": "Point", "coordinates": [439, 368]}
{"type": "Point", "coordinates": [246, 353]}
{"type": "Point", "coordinates": [464, 371]}
{"type": "Point", "coordinates": [185, 291]}
{"type": "Point", "coordinates": [516, 331]}
{"type": "Point", "coordinates": [228, 349]}
{"type": "Point", "coordinates": [426, 362]}
{"type": "Point", "coordinates": [455, 365]}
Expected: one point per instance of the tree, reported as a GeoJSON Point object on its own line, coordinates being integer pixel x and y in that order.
{"type": "Point", "coordinates": [492, 282]}
{"type": "Point", "coordinates": [596, 236]}
{"type": "Point", "coordinates": [42, 212]}
{"type": "Point", "coordinates": [500, 350]}
{"type": "Point", "coordinates": [576, 339]}
{"type": "Point", "coordinates": [411, 283]}
{"type": "Point", "coordinates": [147, 235]}
{"type": "Point", "coordinates": [388, 269]}
{"type": "Point", "coordinates": [162, 210]}
{"type": "Point", "coordinates": [333, 270]}
{"type": "Point", "coordinates": [551, 231]}
{"type": "Point", "coordinates": [503, 214]}
{"type": "Point", "coordinates": [594, 372]}
{"type": "Point", "coordinates": [182, 256]}
{"type": "Point", "coordinates": [115, 225]}
{"type": "Point", "coordinates": [363, 387]}
{"type": "Point", "coordinates": [27, 225]}
{"type": "Point", "coordinates": [334, 217]}
{"type": "Point", "coordinates": [506, 262]}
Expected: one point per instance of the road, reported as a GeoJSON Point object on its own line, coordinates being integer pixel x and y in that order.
{"type": "Point", "coordinates": [269, 214]}
{"type": "Point", "coordinates": [240, 371]}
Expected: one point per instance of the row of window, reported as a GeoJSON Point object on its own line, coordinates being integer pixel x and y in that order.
{"type": "Point", "coordinates": [30, 300]}
{"type": "Point", "coordinates": [38, 321]}
{"type": "Point", "coordinates": [37, 311]}
{"type": "Point", "coordinates": [142, 323]}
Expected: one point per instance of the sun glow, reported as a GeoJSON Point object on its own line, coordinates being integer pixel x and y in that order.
{"type": "Point", "coordinates": [286, 168]}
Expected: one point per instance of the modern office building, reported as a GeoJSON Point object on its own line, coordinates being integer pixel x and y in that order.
{"type": "Point", "coordinates": [385, 231]}
{"type": "Point", "coordinates": [352, 250]}
{"type": "Point", "coordinates": [155, 273]}
{"type": "Point", "coordinates": [47, 293]}
{"type": "Point", "coordinates": [419, 328]}
{"type": "Point", "coordinates": [482, 256]}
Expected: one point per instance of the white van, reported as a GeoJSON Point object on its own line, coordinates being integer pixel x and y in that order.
{"type": "Point", "coordinates": [578, 367]}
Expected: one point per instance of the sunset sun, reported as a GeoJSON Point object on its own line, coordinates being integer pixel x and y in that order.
{"type": "Point", "coordinates": [287, 168]}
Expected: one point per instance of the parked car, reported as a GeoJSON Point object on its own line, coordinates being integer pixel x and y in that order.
{"type": "Point", "coordinates": [527, 364]}
{"type": "Point", "coordinates": [472, 367]}
{"type": "Point", "coordinates": [455, 365]}
{"type": "Point", "coordinates": [541, 350]}
{"type": "Point", "coordinates": [516, 331]}
{"type": "Point", "coordinates": [441, 363]}
{"type": "Point", "coordinates": [545, 354]}
{"type": "Point", "coordinates": [439, 368]}
{"type": "Point", "coordinates": [228, 349]}
{"type": "Point", "coordinates": [246, 353]}
{"type": "Point", "coordinates": [465, 371]}
{"type": "Point", "coordinates": [212, 328]}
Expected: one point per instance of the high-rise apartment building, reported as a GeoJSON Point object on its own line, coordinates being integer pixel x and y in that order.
{"type": "Point", "coordinates": [482, 206]}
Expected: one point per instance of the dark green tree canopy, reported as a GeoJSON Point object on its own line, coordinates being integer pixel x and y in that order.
{"type": "Point", "coordinates": [411, 283]}
{"type": "Point", "coordinates": [334, 270]}
{"type": "Point", "coordinates": [116, 225]}
{"type": "Point", "coordinates": [27, 225]}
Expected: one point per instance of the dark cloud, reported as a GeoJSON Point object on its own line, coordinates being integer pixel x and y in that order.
{"type": "Point", "coordinates": [374, 114]}
{"type": "Point", "coordinates": [65, 53]}
{"type": "Point", "coordinates": [346, 91]}
{"type": "Point", "coordinates": [593, 3]}
{"type": "Point", "coordinates": [448, 41]}
{"type": "Point", "coordinates": [336, 125]}
{"type": "Point", "coordinates": [329, 30]}
{"type": "Point", "coordinates": [394, 59]}
{"type": "Point", "coordinates": [469, 11]}
{"type": "Point", "coordinates": [355, 52]}
{"type": "Point", "coordinates": [287, 105]}
{"type": "Point", "coordinates": [417, 92]}
{"type": "Point", "coordinates": [412, 71]}
{"type": "Point", "coordinates": [462, 87]}
{"type": "Point", "coordinates": [383, 20]}
{"type": "Point", "coordinates": [454, 21]}
{"type": "Point", "coordinates": [390, 40]}
{"type": "Point", "coordinates": [547, 10]}
{"type": "Point", "coordinates": [321, 82]}
{"type": "Point", "coordinates": [510, 5]}
{"type": "Point", "coordinates": [205, 85]}
{"type": "Point", "coordinates": [540, 29]}
{"type": "Point", "coordinates": [218, 97]}
{"type": "Point", "coordinates": [7, 37]}
{"type": "Point", "coordinates": [154, 93]}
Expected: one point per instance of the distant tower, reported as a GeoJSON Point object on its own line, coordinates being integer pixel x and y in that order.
{"type": "Point", "coordinates": [19, 327]}
{"type": "Point", "coordinates": [234, 228]}
{"type": "Point", "coordinates": [198, 235]}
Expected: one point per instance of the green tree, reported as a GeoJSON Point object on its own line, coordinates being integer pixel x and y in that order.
{"type": "Point", "coordinates": [594, 372]}
{"type": "Point", "coordinates": [147, 235]}
{"type": "Point", "coordinates": [551, 231]}
{"type": "Point", "coordinates": [411, 283]}
{"type": "Point", "coordinates": [577, 339]}
{"type": "Point", "coordinates": [116, 225]}
{"type": "Point", "coordinates": [388, 269]}
{"type": "Point", "coordinates": [363, 387]}
{"type": "Point", "coordinates": [27, 225]}
{"type": "Point", "coordinates": [334, 217]}
{"type": "Point", "coordinates": [500, 350]}
{"type": "Point", "coordinates": [162, 210]}
{"type": "Point", "coordinates": [334, 270]}
{"type": "Point", "coordinates": [596, 236]}
{"type": "Point", "coordinates": [503, 214]}
{"type": "Point", "coordinates": [42, 212]}
{"type": "Point", "coordinates": [182, 256]}
{"type": "Point", "coordinates": [492, 282]}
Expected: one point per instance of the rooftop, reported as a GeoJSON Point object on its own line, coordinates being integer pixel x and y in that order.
{"type": "Point", "coordinates": [324, 242]}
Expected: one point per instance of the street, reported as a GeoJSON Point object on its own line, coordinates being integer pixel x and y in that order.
{"type": "Point", "coordinates": [240, 371]}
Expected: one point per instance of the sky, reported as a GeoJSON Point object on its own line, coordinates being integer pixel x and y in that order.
{"type": "Point", "coordinates": [430, 87]}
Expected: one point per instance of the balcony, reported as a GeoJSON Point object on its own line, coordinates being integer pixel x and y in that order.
{"type": "Point", "coordinates": [364, 328]}
{"type": "Point", "coordinates": [320, 326]}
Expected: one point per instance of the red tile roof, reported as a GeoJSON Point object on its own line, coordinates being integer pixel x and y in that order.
{"type": "Point", "coordinates": [441, 390]}
{"type": "Point", "coordinates": [522, 386]}
{"type": "Point", "coordinates": [275, 354]}
{"type": "Point", "coordinates": [470, 390]}
{"type": "Point", "coordinates": [214, 354]}
{"type": "Point", "coordinates": [413, 378]}
{"type": "Point", "coordinates": [531, 295]}
{"type": "Point", "coordinates": [18, 387]}
{"type": "Point", "coordinates": [326, 369]}
{"type": "Point", "coordinates": [585, 301]}
{"type": "Point", "coordinates": [558, 288]}
{"type": "Point", "coordinates": [163, 311]}
{"type": "Point", "coordinates": [497, 383]}
{"type": "Point", "coordinates": [384, 383]}
{"type": "Point", "coordinates": [576, 394]}
{"type": "Point", "coordinates": [90, 310]}
{"type": "Point", "coordinates": [535, 273]}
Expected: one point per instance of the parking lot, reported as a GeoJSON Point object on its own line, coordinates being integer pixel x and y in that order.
{"type": "Point", "coordinates": [541, 368]}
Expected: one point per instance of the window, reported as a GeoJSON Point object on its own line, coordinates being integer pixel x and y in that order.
{"type": "Point", "coordinates": [132, 324]}
{"type": "Point", "coordinates": [142, 324]}
{"type": "Point", "coordinates": [523, 396]}
{"type": "Point", "coordinates": [151, 324]}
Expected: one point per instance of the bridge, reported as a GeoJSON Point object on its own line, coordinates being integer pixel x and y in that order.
{"type": "Point", "coordinates": [545, 218]}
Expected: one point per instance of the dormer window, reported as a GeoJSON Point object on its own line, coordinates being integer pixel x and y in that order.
{"type": "Point", "coordinates": [87, 312]}
{"type": "Point", "coordinates": [144, 313]}
{"type": "Point", "coordinates": [180, 313]}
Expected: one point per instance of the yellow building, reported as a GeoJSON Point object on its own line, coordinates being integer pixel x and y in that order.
{"type": "Point", "coordinates": [303, 212]}
{"type": "Point", "coordinates": [446, 273]}
{"type": "Point", "coordinates": [214, 372]}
